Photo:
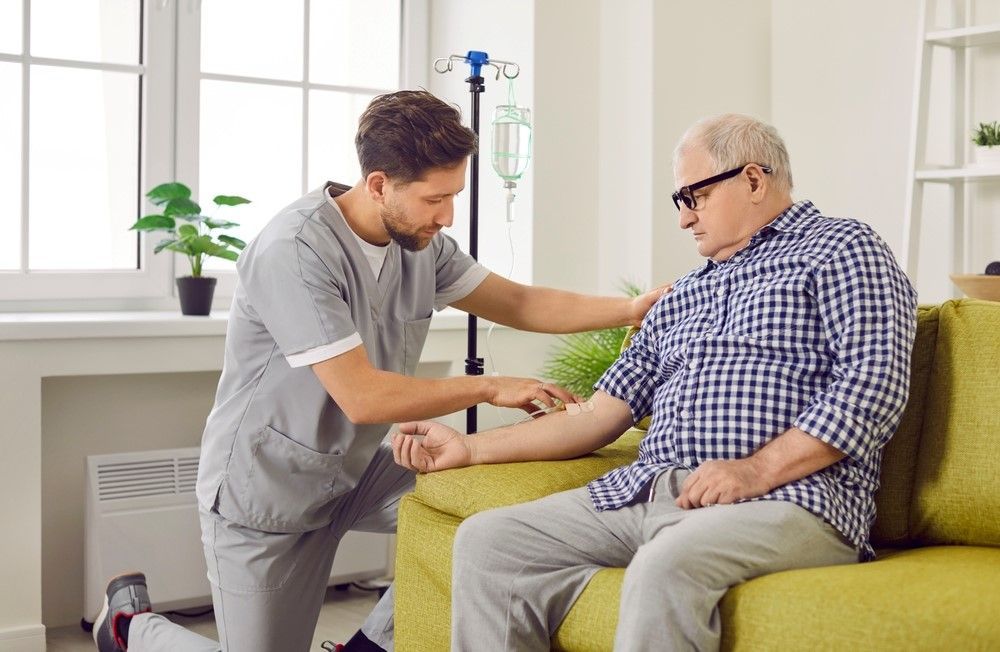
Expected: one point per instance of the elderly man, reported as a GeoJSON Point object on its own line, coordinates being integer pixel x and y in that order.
{"type": "Point", "coordinates": [775, 374]}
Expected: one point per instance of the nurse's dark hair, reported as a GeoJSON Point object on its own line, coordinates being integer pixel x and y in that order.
{"type": "Point", "coordinates": [407, 133]}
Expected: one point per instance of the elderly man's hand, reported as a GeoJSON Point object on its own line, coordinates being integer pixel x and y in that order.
{"type": "Point", "coordinates": [427, 446]}
{"type": "Point", "coordinates": [642, 303]}
{"type": "Point", "coordinates": [722, 482]}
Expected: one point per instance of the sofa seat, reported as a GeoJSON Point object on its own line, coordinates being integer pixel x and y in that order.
{"type": "Point", "coordinates": [847, 608]}
{"type": "Point", "coordinates": [932, 598]}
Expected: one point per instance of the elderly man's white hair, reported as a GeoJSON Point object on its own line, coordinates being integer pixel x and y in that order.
{"type": "Point", "coordinates": [733, 140]}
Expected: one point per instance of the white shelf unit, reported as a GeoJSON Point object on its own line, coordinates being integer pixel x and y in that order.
{"type": "Point", "coordinates": [960, 41]}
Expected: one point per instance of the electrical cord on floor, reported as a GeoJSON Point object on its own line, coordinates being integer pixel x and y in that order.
{"type": "Point", "coordinates": [183, 614]}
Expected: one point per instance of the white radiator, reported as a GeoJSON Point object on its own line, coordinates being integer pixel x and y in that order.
{"type": "Point", "coordinates": [142, 514]}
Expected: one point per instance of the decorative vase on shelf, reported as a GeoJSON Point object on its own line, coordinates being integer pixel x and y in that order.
{"type": "Point", "coordinates": [987, 156]}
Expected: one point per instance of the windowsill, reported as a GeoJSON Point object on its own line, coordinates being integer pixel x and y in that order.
{"type": "Point", "coordinates": [148, 323]}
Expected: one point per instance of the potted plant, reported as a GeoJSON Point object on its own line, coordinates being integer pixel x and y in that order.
{"type": "Point", "coordinates": [581, 359]}
{"type": "Point", "coordinates": [190, 233]}
{"type": "Point", "coordinates": [987, 139]}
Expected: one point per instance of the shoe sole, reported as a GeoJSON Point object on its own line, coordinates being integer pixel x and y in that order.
{"type": "Point", "coordinates": [99, 621]}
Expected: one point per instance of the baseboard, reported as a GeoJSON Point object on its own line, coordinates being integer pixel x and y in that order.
{"type": "Point", "coordinates": [23, 639]}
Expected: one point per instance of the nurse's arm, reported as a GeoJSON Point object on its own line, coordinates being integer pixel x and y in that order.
{"type": "Point", "coordinates": [545, 310]}
{"type": "Point", "coordinates": [428, 446]}
{"type": "Point", "coordinates": [369, 395]}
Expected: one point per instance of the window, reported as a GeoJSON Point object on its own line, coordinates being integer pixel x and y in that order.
{"type": "Point", "coordinates": [267, 96]}
{"type": "Point", "coordinates": [277, 114]}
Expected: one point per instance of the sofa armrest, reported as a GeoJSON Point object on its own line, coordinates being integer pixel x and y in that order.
{"type": "Point", "coordinates": [463, 492]}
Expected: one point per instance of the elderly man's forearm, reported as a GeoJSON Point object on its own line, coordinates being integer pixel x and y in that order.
{"type": "Point", "coordinates": [557, 436]}
{"type": "Point", "coordinates": [791, 456]}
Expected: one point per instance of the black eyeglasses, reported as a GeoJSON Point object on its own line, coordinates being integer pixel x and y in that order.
{"type": "Point", "coordinates": [686, 194]}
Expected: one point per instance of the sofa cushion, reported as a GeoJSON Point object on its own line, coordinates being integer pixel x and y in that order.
{"type": "Point", "coordinates": [467, 491]}
{"type": "Point", "coordinates": [940, 598]}
{"type": "Point", "coordinates": [956, 495]}
{"type": "Point", "coordinates": [590, 624]}
{"type": "Point", "coordinates": [423, 577]}
{"type": "Point", "coordinates": [899, 461]}
{"type": "Point", "coordinates": [926, 599]}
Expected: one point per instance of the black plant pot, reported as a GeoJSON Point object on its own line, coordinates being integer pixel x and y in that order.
{"type": "Point", "coordinates": [196, 294]}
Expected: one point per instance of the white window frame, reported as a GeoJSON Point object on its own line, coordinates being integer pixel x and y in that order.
{"type": "Point", "coordinates": [169, 150]}
{"type": "Point", "coordinates": [57, 289]}
{"type": "Point", "coordinates": [414, 65]}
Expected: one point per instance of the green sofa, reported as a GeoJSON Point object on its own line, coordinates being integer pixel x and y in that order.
{"type": "Point", "coordinates": [934, 586]}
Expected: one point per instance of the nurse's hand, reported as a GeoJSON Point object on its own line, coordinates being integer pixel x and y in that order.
{"type": "Point", "coordinates": [427, 446]}
{"type": "Point", "coordinates": [528, 393]}
{"type": "Point", "coordinates": [642, 303]}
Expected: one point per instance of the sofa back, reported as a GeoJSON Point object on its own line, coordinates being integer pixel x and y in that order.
{"type": "Point", "coordinates": [941, 470]}
{"type": "Point", "coordinates": [899, 460]}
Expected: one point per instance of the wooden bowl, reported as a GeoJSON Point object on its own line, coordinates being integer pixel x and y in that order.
{"type": "Point", "coordinates": [978, 286]}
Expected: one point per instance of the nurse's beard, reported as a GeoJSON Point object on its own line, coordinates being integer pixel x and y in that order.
{"type": "Point", "coordinates": [392, 220]}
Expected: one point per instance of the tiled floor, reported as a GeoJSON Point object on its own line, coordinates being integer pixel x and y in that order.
{"type": "Point", "coordinates": [342, 614]}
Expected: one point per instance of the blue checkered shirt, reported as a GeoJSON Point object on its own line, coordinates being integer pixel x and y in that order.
{"type": "Point", "coordinates": [810, 325]}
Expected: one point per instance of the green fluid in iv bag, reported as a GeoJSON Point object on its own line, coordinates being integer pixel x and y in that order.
{"type": "Point", "coordinates": [511, 141]}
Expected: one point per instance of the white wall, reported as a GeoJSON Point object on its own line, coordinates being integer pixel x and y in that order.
{"type": "Point", "coordinates": [711, 57]}
{"type": "Point", "coordinates": [608, 117]}
{"type": "Point", "coordinates": [565, 172]}
{"type": "Point", "coordinates": [843, 78]}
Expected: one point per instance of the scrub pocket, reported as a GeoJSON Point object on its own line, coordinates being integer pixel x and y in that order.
{"type": "Point", "coordinates": [414, 336]}
{"type": "Point", "coordinates": [278, 485]}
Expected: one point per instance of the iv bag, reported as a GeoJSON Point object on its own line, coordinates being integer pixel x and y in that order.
{"type": "Point", "coordinates": [511, 141]}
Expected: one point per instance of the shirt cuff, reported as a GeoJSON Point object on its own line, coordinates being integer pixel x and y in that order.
{"type": "Point", "coordinates": [324, 352]}
{"type": "Point", "coordinates": [461, 288]}
{"type": "Point", "coordinates": [845, 432]}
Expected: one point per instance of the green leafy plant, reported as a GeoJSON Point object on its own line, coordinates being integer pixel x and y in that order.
{"type": "Point", "coordinates": [190, 232]}
{"type": "Point", "coordinates": [987, 134]}
{"type": "Point", "coordinates": [580, 359]}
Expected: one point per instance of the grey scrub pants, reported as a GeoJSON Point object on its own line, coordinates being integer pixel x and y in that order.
{"type": "Point", "coordinates": [518, 570]}
{"type": "Point", "coordinates": [268, 588]}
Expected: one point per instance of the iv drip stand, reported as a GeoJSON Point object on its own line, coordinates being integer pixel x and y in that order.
{"type": "Point", "coordinates": [476, 61]}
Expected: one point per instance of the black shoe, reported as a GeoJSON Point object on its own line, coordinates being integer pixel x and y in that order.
{"type": "Point", "coordinates": [358, 643]}
{"type": "Point", "coordinates": [126, 596]}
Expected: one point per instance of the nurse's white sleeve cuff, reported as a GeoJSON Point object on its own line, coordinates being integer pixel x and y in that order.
{"type": "Point", "coordinates": [324, 352]}
{"type": "Point", "coordinates": [461, 288]}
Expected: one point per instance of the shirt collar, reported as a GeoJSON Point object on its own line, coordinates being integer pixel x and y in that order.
{"type": "Point", "coordinates": [792, 219]}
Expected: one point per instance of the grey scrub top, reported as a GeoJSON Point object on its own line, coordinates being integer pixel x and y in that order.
{"type": "Point", "coordinates": [277, 449]}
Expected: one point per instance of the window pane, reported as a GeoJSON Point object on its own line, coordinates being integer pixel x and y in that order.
{"type": "Point", "coordinates": [354, 43]}
{"type": "Point", "coordinates": [251, 145]}
{"type": "Point", "coordinates": [10, 26]}
{"type": "Point", "coordinates": [333, 121]}
{"type": "Point", "coordinates": [88, 30]}
{"type": "Point", "coordinates": [10, 165]}
{"type": "Point", "coordinates": [83, 170]}
{"type": "Point", "coordinates": [255, 38]}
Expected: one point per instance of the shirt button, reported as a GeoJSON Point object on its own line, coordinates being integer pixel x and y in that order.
{"type": "Point", "coordinates": [684, 414]}
{"type": "Point", "coordinates": [720, 292]}
{"type": "Point", "coordinates": [692, 365]}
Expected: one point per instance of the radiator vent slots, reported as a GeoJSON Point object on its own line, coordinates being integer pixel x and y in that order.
{"type": "Point", "coordinates": [152, 477]}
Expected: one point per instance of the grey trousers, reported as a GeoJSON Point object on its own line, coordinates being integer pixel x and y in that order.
{"type": "Point", "coordinates": [268, 588]}
{"type": "Point", "coordinates": [518, 570]}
